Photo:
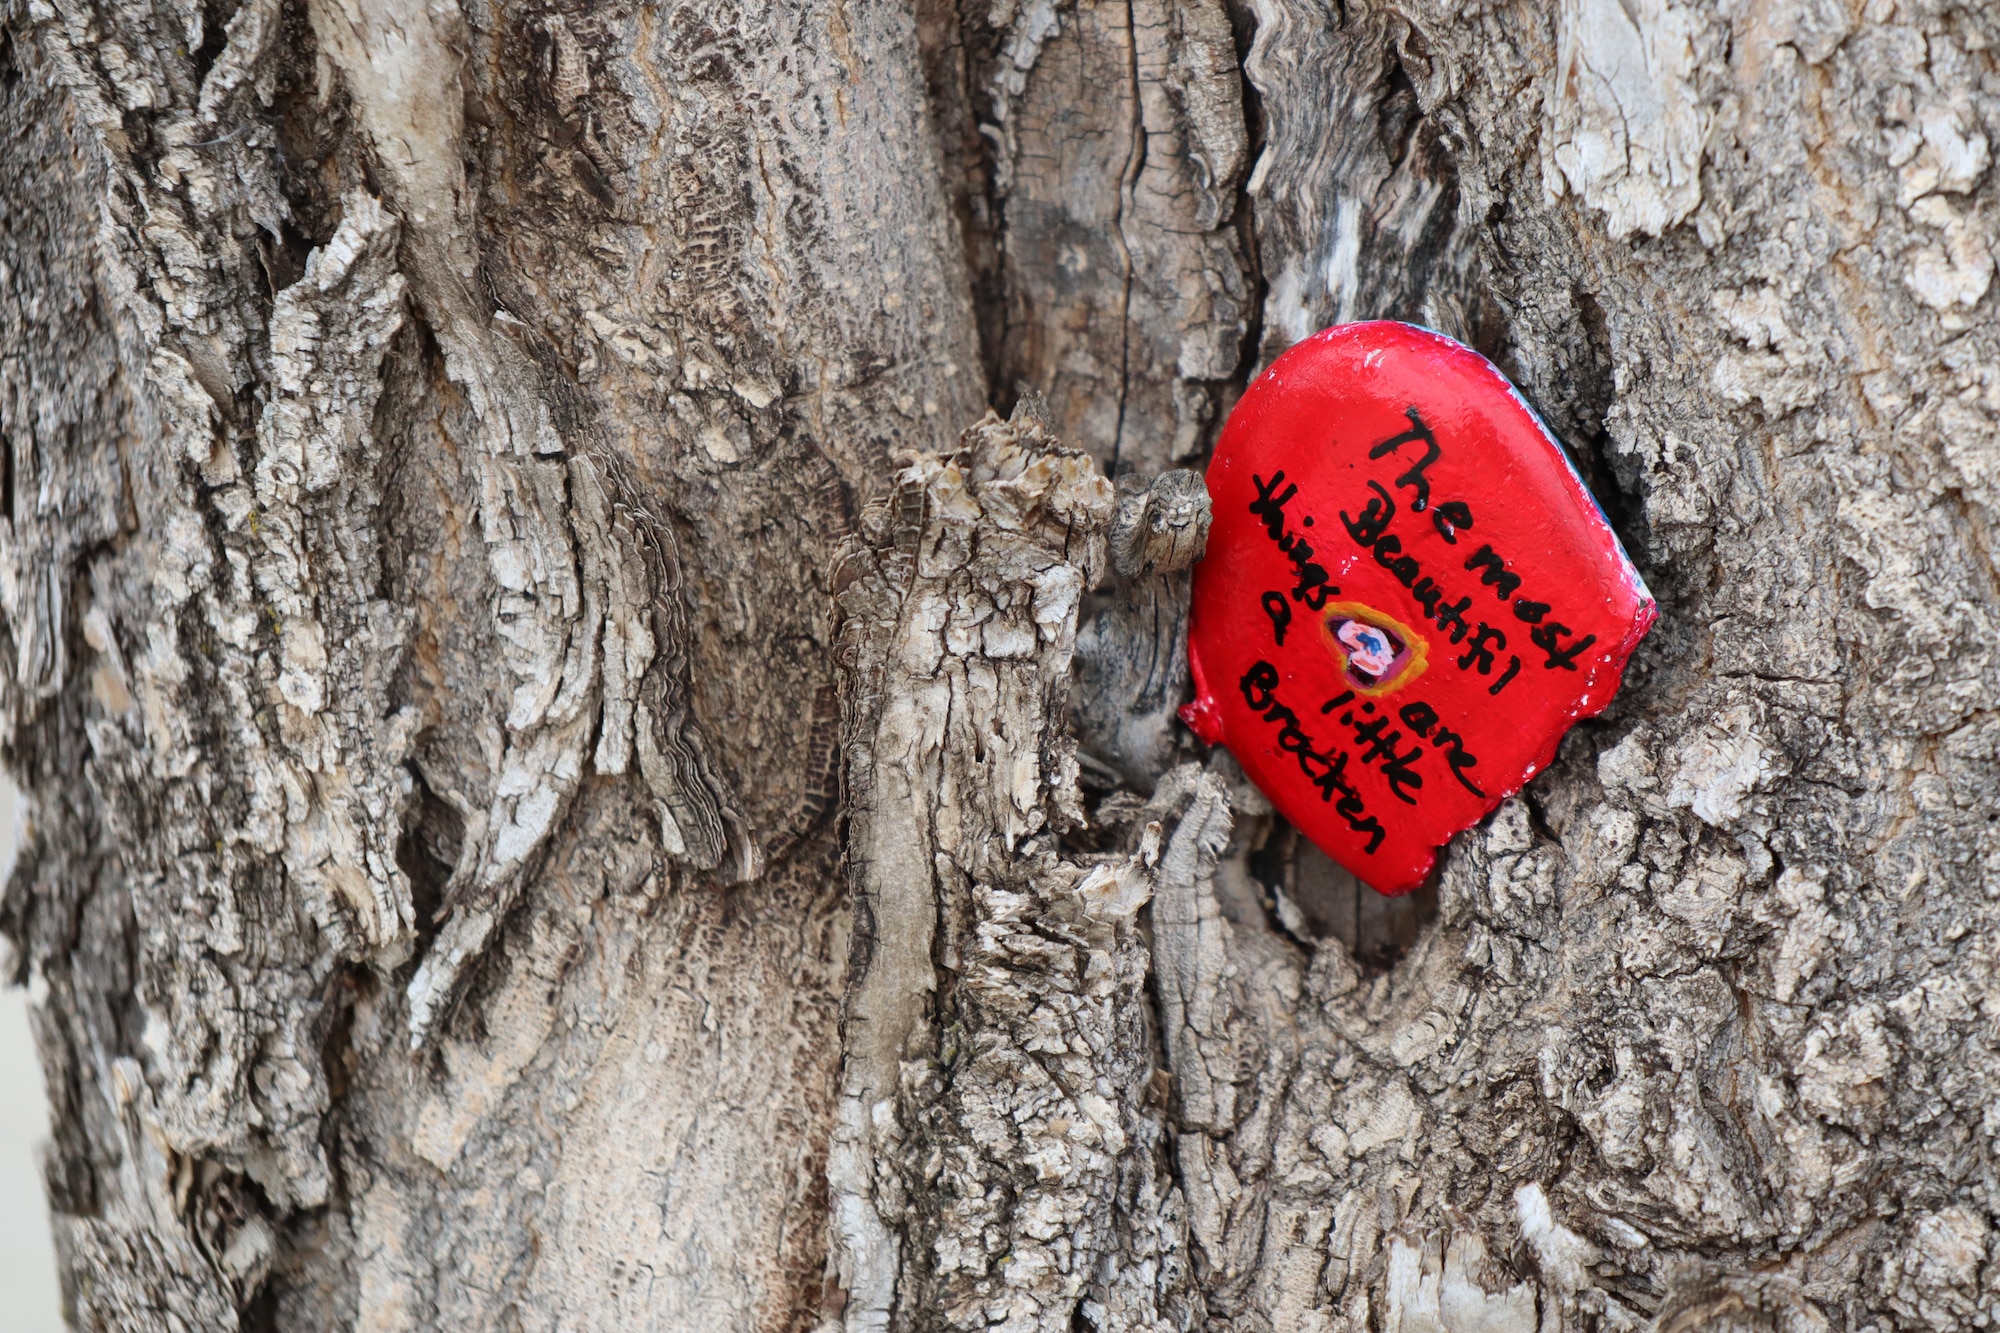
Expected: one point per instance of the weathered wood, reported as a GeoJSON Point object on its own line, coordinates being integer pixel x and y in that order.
{"type": "Point", "coordinates": [1132, 654]}
{"type": "Point", "coordinates": [453, 453]}
{"type": "Point", "coordinates": [389, 614]}
{"type": "Point", "coordinates": [1107, 225]}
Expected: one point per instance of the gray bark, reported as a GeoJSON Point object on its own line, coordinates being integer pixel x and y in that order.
{"type": "Point", "coordinates": [579, 780]}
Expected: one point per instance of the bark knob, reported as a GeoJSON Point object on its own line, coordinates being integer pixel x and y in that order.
{"type": "Point", "coordinates": [1161, 528]}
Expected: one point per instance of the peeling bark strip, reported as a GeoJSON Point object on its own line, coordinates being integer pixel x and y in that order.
{"type": "Point", "coordinates": [1001, 1158]}
{"type": "Point", "coordinates": [428, 433]}
{"type": "Point", "coordinates": [960, 613]}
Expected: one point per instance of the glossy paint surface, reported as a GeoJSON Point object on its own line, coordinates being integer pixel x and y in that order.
{"type": "Point", "coordinates": [1408, 595]}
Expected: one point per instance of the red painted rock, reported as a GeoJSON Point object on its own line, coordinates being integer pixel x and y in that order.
{"type": "Point", "coordinates": [1408, 595]}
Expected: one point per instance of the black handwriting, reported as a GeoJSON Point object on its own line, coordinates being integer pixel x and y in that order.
{"type": "Point", "coordinates": [1421, 718]}
{"type": "Point", "coordinates": [1328, 772]}
{"type": "Point", "coordinates": [1414, 478]}
{"type": "Point", "coordinates": [1314, 585]}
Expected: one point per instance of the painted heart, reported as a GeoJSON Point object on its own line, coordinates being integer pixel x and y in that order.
{"type": "Point", "coordinates": [1408, 595]}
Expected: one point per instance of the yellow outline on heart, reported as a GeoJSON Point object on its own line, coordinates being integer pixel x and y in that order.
{"type": "Point", "coordinates": [1419, 647]}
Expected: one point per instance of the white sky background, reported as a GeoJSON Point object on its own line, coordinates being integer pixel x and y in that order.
{"type": "Point", "coordinates": [29, 1302]}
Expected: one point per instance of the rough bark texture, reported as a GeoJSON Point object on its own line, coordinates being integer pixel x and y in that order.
{"type": "Point", "coordinates": [569, 790]}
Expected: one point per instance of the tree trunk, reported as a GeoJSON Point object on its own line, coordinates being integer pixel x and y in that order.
{"type": "Point", "coordinates": [571, 791]}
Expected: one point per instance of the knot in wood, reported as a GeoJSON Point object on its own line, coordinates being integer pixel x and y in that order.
{"type": "Point", "coordinates": [1162, 528]}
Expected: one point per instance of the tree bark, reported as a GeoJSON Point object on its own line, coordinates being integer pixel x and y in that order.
{"type": "Point", "coordinates": [580, 779]}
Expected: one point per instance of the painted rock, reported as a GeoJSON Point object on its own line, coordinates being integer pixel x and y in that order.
{"type": "Point", "coordinates": [1408, 595]}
